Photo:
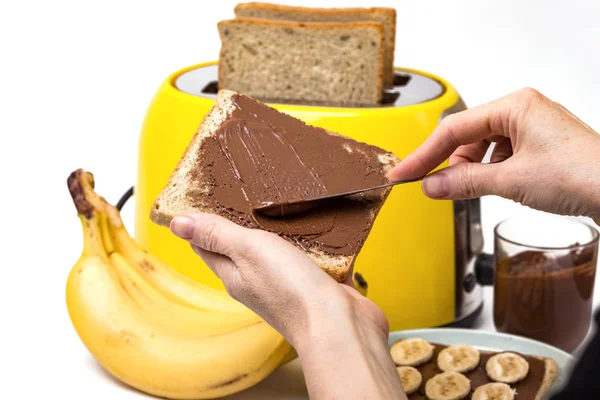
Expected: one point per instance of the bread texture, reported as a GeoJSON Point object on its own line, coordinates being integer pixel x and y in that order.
{"type": "Point", "coordinates": [329, 63]}
{"type": "Point", "coordinates": [386, 16]}
{"type": "Point", "coordinates": [185, 187]}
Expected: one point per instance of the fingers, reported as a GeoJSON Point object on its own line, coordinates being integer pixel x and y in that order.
{"type": "Point", "coordinates": [211, 233]}
{"type": "Point", "coordinates": [464, 181]}
{"type": "Point", "coordinates": [473, 152]}
{"type": "Point", "coordinates": [221, 265]}
{"type": "Point", "coordinates": [502, 151]}
{"type": "Point", "coordinates": [476, 151]}
{"type": "Point", "coordinates": [456, 130]}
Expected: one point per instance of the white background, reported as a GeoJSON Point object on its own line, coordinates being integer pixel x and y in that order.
{"type": "Point", "coordinates": [77, 77]}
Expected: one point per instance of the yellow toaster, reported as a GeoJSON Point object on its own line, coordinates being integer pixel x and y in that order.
{"type": "Point", "coordinates": [418, 262]}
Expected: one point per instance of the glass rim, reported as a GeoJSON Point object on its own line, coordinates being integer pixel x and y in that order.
{"type": "Point", "coordinates": [595, 236]}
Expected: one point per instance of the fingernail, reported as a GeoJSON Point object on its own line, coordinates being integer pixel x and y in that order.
{"type": "Point", "coordinates": [183, 227]}
{"type": "Point", "coordinates": [436, 185]}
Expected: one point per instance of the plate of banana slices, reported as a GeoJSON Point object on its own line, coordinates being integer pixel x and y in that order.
{"type": "Point", "coordinates": [456, 364]}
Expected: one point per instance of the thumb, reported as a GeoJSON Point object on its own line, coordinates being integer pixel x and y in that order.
{"type": "Point", "coordinates": [463, 181]}
{"type": "Point", "coordinates": [211, 233]}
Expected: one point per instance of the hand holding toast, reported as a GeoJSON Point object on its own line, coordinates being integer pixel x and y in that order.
{"type": "Point", "coordinates": [544, 156]}
{"type": "Point", "coordinates": [328, 323]}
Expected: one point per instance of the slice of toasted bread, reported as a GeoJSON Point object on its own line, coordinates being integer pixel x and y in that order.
{"type": "Point", "coordinates": [189, 185]}
{"type": "Point", "coordinates": [329, 63]}
{"type": "Point", "coordinates": [387, 16]}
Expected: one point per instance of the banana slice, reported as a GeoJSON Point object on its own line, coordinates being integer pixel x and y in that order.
{"type": "Point", "coordinates": [448, 386]}
{"type": "Point", "coordinates": [458, 358]}
{"type": "Point", "coordinates": [494, 391]}
{"type": "Point", "coordinates": [507, 368]}
{"type": "Point", "coordinates": [411, 379]}
{"type": "Point", "coordinates": [411, 352]}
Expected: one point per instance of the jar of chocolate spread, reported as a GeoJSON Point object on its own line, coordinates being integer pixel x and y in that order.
{"type": "Point", "coordinates": [544, 277]}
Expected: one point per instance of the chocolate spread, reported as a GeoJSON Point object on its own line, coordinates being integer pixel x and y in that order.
{"type": "Point", "coordinates": [526, 389]}
{"type": "Point", "coordinates": [261, 155]}
{"type": "Point", "coordinates": [546, 298]}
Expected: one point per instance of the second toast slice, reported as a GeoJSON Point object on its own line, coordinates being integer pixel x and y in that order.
{"type": "Point", "coordinates": [387, 16]}
{"type": "Point", "coordinates": [309, 63]}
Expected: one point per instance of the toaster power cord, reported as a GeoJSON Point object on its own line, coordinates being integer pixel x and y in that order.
{"type": "Point", "coordinates": [126, 196]}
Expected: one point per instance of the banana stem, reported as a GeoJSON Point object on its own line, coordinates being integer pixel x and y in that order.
{"type": "Point", "coordinates": [92, 238]}
{"type": "Point", "coordinates": [106, 236]}
{"type": "Point", "coordinates": [76, 189]}
{"type": "Point", "coordinates": [87, 201]}
{"type": "Point", "coordinates": [92, 211]}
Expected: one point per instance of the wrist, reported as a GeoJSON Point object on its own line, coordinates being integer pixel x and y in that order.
{"type": "Point", "coordinates": [344, 355]}
{"type": "Point", "coordinates": [337, 342]}
{"type": "Point", "coordinates": [335, 326]}
{"type": "Point", "coordinates": [322, 322]}
{"type": "Point", "coordinates": [581, 178]}
{"type": "Point", "coordinates": [595, 213]}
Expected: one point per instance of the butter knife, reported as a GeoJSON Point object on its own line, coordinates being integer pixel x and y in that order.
{"type": "Point", "coordinates": [281, 209]}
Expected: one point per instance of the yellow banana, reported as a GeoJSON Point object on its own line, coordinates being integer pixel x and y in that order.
{"type": "Point", "coordinates": [150, 338]}
{"type": "Point", "coordinates": [185, 320]}
{"type": "Point", "coordinates": [169, 281]}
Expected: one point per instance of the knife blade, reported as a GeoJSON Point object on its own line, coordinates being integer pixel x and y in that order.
{"type": "Point", "coordinates": [281, 209]}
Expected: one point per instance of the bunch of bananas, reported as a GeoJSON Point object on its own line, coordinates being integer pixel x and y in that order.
{"type": "Point", "coordinates": [153, 328]}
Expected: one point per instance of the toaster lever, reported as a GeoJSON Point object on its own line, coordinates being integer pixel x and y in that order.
{"type": "Point", "coordinates": [484, 269]}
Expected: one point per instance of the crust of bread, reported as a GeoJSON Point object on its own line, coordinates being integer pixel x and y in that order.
{"type": "Point", "coordinates": [312, 10]}
{"type": "Point", "coordinates": [391, 13]}
{"type": "Point", "coordinates": [348, 11]}
{"type": "Point", "coordinates": [317, 26]}
{"type": "Point", "coordinates": [175, 198]}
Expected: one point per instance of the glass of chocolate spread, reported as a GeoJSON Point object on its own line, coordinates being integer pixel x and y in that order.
{"type": "Point", "coordinates": [544, 275]}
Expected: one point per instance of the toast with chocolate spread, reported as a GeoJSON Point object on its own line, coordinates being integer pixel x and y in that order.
{"type": "Point", "coordinates": [318, 63]}
{"type": "Point", "coordinates": [384, 15]}
{"type": "Point", "coordinates": [245, 153]}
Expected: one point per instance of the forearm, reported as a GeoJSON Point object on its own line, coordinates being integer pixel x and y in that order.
{"type": "Point", "coordinates": [348, 360]}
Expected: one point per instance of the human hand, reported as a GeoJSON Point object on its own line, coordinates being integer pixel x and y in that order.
{"type": "Point", "coordinates": [544, 156]}
{"type": "Point", "coordinates": [340, 336]}
{"type": "Point", "coordinates": [272, 277]}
